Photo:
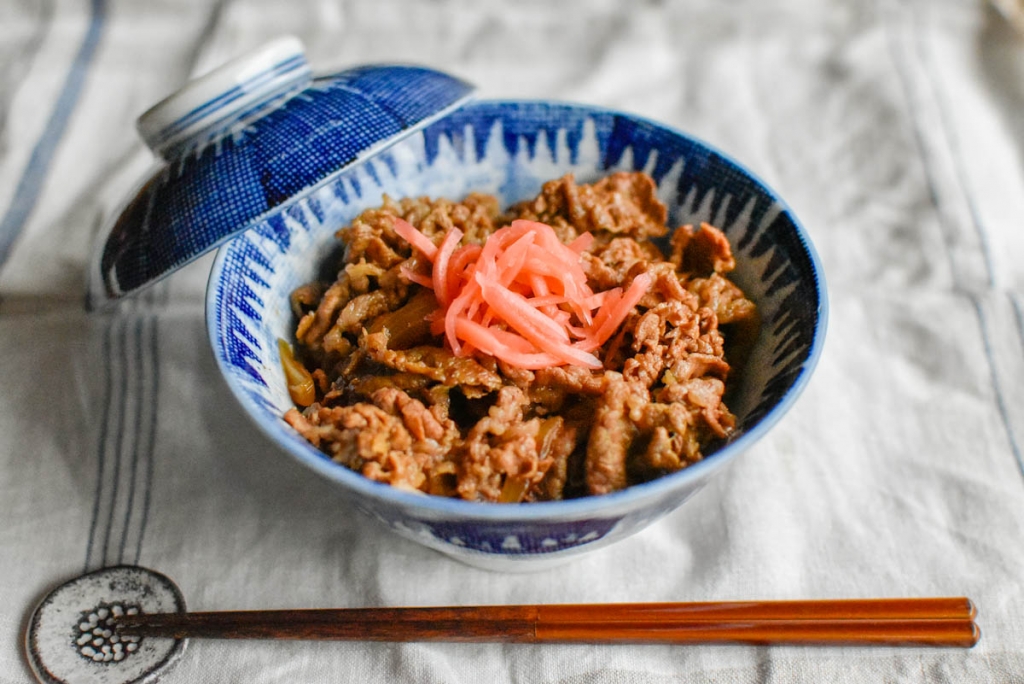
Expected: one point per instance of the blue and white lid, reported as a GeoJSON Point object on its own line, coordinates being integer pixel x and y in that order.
{"type": "Point", "coordinates": [245, 141]}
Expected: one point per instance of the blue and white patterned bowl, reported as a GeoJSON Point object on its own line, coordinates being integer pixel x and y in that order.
{"type": "Point", "coordinates": [245, 141]}
{"type": "Point", "coordinates": [509, 149]}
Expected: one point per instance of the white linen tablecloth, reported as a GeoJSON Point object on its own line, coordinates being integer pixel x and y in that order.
{"type": "Point", "coordinates": [894, 129]}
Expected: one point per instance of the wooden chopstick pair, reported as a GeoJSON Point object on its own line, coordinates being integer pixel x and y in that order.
{"type": "Point", "coordinates": [891, 622]}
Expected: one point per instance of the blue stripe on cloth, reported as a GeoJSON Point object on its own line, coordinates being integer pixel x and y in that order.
{"type": "Point", "coordinates": [1018, 316]}
{"type": "Point", "coordinates": [27, 192]}
{"type": "Point", "coordinates": [120, 418]}
{"type": "Point", "coordinates": [964, 187]}
{"type": "Point", "coordinates": [126, 440]}
{"type": "Point", "coordinates": [906, 88]}
{"type": "Point", "coordinates": [108, 393]}
{"type": "Point", "coordinates": [1004, 413]}
{"type": "Point", "coordinates": [133, 453]}
{"type": "Point", "coordinates": [147, 483]}
{"type": "Point", "coordinates": [953, 143]}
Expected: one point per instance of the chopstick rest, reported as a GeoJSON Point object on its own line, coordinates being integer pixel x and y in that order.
{"type": "Point", "coordinates": [132, 622]}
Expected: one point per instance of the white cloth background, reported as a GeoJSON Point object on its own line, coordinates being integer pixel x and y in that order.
{"type": "Point", "coordinates": [894, 129]}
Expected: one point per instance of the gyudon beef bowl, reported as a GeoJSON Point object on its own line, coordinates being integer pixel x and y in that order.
{"type": "Point", "coordinates": [511, 331]}
{"type": "Point", "coordinates": [525, 331]}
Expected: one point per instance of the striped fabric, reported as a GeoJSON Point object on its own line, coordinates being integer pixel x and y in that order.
{"type": "Point", "coordinates": [893, 128]}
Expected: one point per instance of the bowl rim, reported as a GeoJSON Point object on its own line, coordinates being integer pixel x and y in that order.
{"type": "Point", "coordinates": [599, 506]}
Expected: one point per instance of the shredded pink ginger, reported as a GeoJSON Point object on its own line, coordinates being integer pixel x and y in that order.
{"type": "Point", "coordinates": [522, 297]}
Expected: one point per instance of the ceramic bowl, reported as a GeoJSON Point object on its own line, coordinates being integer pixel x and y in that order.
{"type": "Point", "coordinates": [509, 148]}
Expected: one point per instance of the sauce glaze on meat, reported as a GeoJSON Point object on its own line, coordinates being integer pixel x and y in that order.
{"type": "Point", "coordinates": [397, 406]}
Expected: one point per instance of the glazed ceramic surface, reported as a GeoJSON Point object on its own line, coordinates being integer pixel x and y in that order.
{"type": "Point", "coordinates": [510, 149]}
{"type": "Point", "coordinates": [246, 141]}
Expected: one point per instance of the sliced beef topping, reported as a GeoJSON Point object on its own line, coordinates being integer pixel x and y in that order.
{"type": "Point", "coordinates": [395, 404]}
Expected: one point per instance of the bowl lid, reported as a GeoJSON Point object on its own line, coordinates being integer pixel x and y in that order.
{"type": "Point", "coordinates": [246, 141]}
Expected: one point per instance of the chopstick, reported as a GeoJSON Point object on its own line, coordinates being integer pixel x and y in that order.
{"type": "Point", "coordinates": [895, 622]}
